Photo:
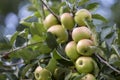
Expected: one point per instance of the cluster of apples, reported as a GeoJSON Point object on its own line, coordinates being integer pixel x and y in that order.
{"type": "Point", "coordinates": [79, 48]}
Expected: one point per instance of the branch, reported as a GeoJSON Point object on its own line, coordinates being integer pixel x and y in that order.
{"type": "Point", "coordinates": [13, 50]}
{"type": "Point", "coordinates": [50, 10]}
{"type": "Point", "coordinates": [105, 62]}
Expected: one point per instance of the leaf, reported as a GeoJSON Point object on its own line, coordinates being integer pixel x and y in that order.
{"type": "Point", "coordinates": [99, 17]}
{"type": "Point", "coordinates": [24, 33]}
{"type": "Point", "coordinates": [26, 54]}
{"type": "Point", "coordinates": [25, 23]}
{"type": "Point", "coordinates": [4, 43]}
{"type": "Point", "coordinates": [116, 48]}
{"type": "Point", "coordinates": [78, 77]}
{"type": "Point", "coordinates": [3, 76]}
{"type": "Point", "coordinates": [24, 69]}
{"type": "Point", "coordinates": [13, 38]}
{"type": "Point", "coordinates": [51, 41]}
{"type": "Point", "coordinates": [92, 6]}
{"type": "Point", "coordinates": [60, 73]}
{"type": "Point", "coordinates": [64, 60]}
{"type": "Point", "coordinates": [82, 2]}
{"type": "Point", "coordinates": [20, 41]}
{"type": "Point", "coordinates": [37, 29]}
{"type": "Point", "coordinates": [11, 76]}
{"type": "Point", "coordinates": [51, 66]}
{"type": "Point", "coordinates": [96, 68]}
{"type": "Point", "coordinates": [36, 38]}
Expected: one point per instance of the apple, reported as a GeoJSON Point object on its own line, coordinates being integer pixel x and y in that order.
{"type": "Point", "coordinates": [81, 15]}
{"type": "Point", "coordinates": [60, 33]}
{"type": "Point", "coordinates": [83, 47]}
{"type": "Point", "coordinates": [84, 64]}
{"type": "Point", "coordinates": [37, 71]}
{"type": "Point", "coordinates": [67, 21]}
{"type": "Point", "coordinates": [42, 74]}
{"type": "Point", "coordinates": [82, 32]}
{"type": "Point", "coordinates": [71, 50]}
{"type": "Point", "coordinates": [88, 77]}
{"type": "Point", "coordinates": [49, 21]}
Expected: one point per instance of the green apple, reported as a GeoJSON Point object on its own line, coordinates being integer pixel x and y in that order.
{"type": "Point", "coordinates": [84, 64]}
{"type": "Point", "coordinates": [49, 21]}
{"type": "Point", "coordinates": [67, 21]}
{"type": "Point", "coordinates": [79, 33]}
{"type": "Point", "coordinates": [60, 33]}
{"type": "Point", "coordinates": [71, 50]}
{"type": "Point", "coordinates": [81, 15]}
{"type": "Point", "coordinates": [42, 74]}
{"type": "Point", "coordinates": [88, 77]}
{"type": "Point", "coordinates": [83, 47]}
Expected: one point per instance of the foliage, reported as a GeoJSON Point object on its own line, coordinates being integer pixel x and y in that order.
{"type": "Point", "coordinates": [34, 46]}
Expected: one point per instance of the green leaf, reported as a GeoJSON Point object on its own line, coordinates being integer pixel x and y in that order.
{"type": "Point", "coordinates": [24, 69]}
{"type": "Point", "coordinates": [25, 23]}
{"type": "Point", "coordinates": [92, 6]}
{"type": "Point", "coordinates": [11, 76]}
{"type": "Point", "coordinates": [26, 54]}
{"type": "Point", "coordinates": [36, 38]}
{"type": "Point", "coordinates": [116, 48]}
{"type": "Point", "coordinates": [13, 38]}
{"type": "Point", "coordinates": [64, 59]}
{"type": "Point", "coordinates": [37, 28]}
{"type": "Point", "coordinates": [24, 33]}
{"type": "Point", "coordinates": [60, 73]}
{"type": "Point", "coordinates": [51, 40]}
{"type": "Point", "coordinates": [114, 60]}
{"type": "Point", "coordinates": [96, 68]}
{"type": "Point", "coordinates": [51, 66]}
{"type": "Point", "coordinates": [82, 2]}
{"type": "Point", "coordinates": [20, 41]}
{"type": "Point", "coordinates": [4, 43]}
{"type": "Point", "coordinates": [99, 17]}
{"type": "Point", "coordinates": [3, 76]}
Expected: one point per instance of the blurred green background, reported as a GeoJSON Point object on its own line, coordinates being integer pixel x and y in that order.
{"type": "Point", "coordinates": [12, 11]}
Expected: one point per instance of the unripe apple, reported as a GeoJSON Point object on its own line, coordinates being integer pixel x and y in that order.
{"type": "Point", "coordinates": [83, 47]}
{"type": "Point", "coordinates": [81, 15]}
{"type": "Point", "coordinates": [37, 71]}
{"type": "Point", "coordinates": [49, 21]}
{"type": "Point", "coordinates": [88, 77]}
{"type": "Point", "coordinates": [60, 33]}
{"type": "Point", "coordinates": [71, 50]}
{"type": "Point", "coordinates": [79, 33]}
{"type": "Point", "coordinates": [67, 21]}
{"type": "Point", "coordinates": [42, 74]}
{"type": "Point", "coordinates": [84, 64]}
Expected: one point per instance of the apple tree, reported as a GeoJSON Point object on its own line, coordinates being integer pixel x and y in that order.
{"type": "Point", "coordinates": [62, 40]}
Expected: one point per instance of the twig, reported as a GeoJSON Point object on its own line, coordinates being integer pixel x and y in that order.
{"type": "Point", "coordinates": [43, 12]}
{"type": "Point", "coordinates": [105, 62]}
{"type": "Point", "coordinates": [13, 50]}
{"type": "Point", "coordinates": [50, 10]}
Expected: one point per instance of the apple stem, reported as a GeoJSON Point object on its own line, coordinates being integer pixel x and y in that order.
{"type": "Point", "coordinates": [105, 62]}
{"type": "Point", "coordinates": [50, 10]}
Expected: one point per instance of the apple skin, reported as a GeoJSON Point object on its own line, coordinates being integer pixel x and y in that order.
{"type": "Point", "coordinates": [84, 64]}
{"type": "Point", "coordinates": [88, 77]}
{"type": "Point", "coordinates": [82, 32]}
{"type": "Point", "coordinates": [60, 33]}
{"type": "Point", "coordinates": [83, 47]}
{"type": "Point", "coordinates": [67, 21]}
{"type": "Point", "coordinates": [42, 74]}
{"type": "Point", "coordinates": [49, 21]}
{"type": "Point", "coordinates": [81, 15]}
{"type": "Point", "coordinates": [37, 71]}
{"type": "Point", "coordinates": [71, 50]}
